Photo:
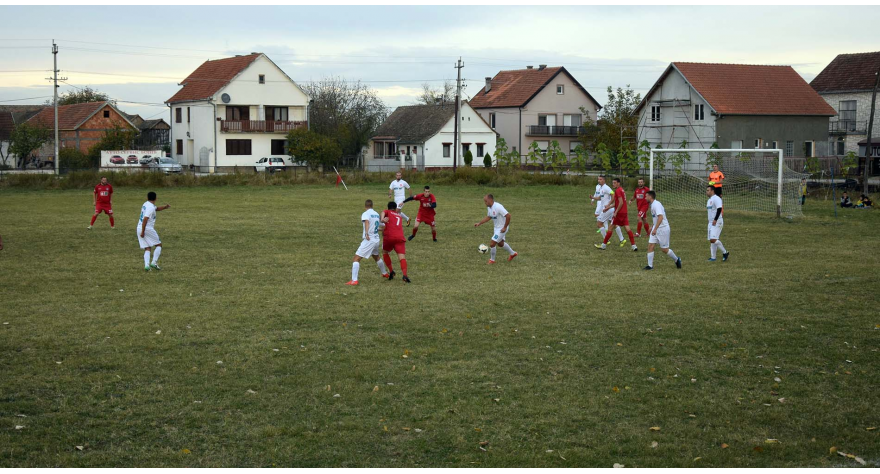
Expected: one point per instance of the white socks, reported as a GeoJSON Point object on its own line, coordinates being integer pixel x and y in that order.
{"type": "Point", "coordinates": [619, 234]}
{"type": "Point", "coordinates": [382, 269]}
{"type": "Point", "coordinates": [713, 248]}
{"type": "Point", "coordinates": [651, 259]}
{"type": "Point", "coordinates": [605, 228]}
{"type": "Point", "coordinates": [720, 246]}
{"type": "Point", "coordinates": [405, 217]}
{"type": "Point", "coordinates": [672, 255]}
{"type": "Point", "coordinates": [156, 252]}
{"type": "Point", "coordinates": [147, 257]}
{"type": "Point", "coordinates": [492, 252]}
{"type": "Point", "coordinates": [507, 247]}
{"type": "Point", "coordinates": [355, 267]}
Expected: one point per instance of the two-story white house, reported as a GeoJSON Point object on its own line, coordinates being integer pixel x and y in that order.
{"type": "Point", "coordinates": [232, 112]}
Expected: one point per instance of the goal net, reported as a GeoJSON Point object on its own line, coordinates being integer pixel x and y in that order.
{"type": "Point", "coordinates": [754, 180]}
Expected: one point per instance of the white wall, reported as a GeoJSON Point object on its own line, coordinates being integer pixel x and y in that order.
{"type": "Point", "coordinates": [699, 134]}
{"type": "Point", "coordinates": [278, 89]}
{"type": "Point", "coordinates": [199, 128]}
{"type": "Point", "coordinates": [473, 130]}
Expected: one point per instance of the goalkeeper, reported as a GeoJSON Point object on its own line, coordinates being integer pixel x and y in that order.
{"type": "Point", "coordinates": [715, 179]}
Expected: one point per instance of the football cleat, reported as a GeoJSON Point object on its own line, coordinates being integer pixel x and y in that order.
{"type": "Point", "coordinates": [678, 263]}
{"type": "Point", "coordinates": [410, 237]}
{"type": "Point", "coordinates": [391, 275]}
{"type": "Point", "coordinates": [147, 268]}
{"type": "Point", "coordinates": [623, 242]}
{"type": "Point", "coordinates": [407, 222]}
{"type": "Point", "coordinates": [724, 256]}
{"type": "Point", "coordinates": [352, 283]}
{"type": "Point", "coordinates": [89, 228]}
{"type": "Point", "coordinates": [599, 230]}
{"type": "Point", "coordinates": [112, 227]}
{"type": "Point", "coordinates": [406, 279]}
{"type": "Point", "coordinates": [711, 260]}
{"type": "Point", "coordinates": [490, 262]}
{"type": "Point", "coordinates": [385, 275]}
{"type": "Point", "coordinates": [155, 267]}
{"type": "Point", "coordinates": [635, 249]}
{"type": "Point", "coordinates": [648, 267]}
{"type": "Point", "coordinates": [638, 235]}
{"type": "Point", "coordinates": [512, 256]}
{"type": "Point", "coordinates": [600, 247]}
{"type": "Point", "coordinates": [435, 240]}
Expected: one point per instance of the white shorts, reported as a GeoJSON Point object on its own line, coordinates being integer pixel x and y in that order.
{"type": "Point", "coordinates": [150, 238]}
{"type": "Point", "coordinates": [499, 236]}
{"type": "Point", "coordinates": [661, 239]}
{"type": "Point", "coordinates": [399, 204]}
{"type": "Point", "coordinates": [368, 248]}
{"type": "Point", "coordinates": [606, 216]}
{"type": "Point", "coordinates": [715, 230]}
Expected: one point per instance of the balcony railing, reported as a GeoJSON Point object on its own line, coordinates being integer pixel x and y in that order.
{"type": "Point", "coordinates": [848, 127]}
{"type": "Point", "coordinates": [259, 126]}
{"type": "Point", "coordinates": [554, 130]}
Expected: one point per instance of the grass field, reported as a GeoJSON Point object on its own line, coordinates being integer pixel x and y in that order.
{"type": "Point", "coordinates": [248, 350]}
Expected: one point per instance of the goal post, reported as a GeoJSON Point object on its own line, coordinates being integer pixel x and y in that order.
{"type": "Point", "coordinates": [756, 180]}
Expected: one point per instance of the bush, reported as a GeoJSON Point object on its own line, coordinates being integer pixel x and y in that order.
{"type": "Point", "coordinates": [72, 158]}
{"type": "Point", "coordinates": [468, 158]}
{"type": "Point", "coordinates": [487, 161]}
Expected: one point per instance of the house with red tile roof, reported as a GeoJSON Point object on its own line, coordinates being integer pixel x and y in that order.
{"type": "Point", "coordinates": [232, 112]}
{"type": "Point", "coordinates": [734, 106]}
{"type": "Point", "coordinates": [846, 84]}
{"type": "Point", "coordinates": [540, 105]}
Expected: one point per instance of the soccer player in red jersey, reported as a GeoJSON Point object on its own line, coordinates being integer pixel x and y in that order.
{"type": "Point", "coordinates": [640, 197]}
{"type": "Point", "coordinates": [427, 204]}
{"type": "Point", "coordinates": [621, 217]}
{"type": "Point", "coordinates": [103, 193]}
{"type": "Point", "coordinates": [392, 239]}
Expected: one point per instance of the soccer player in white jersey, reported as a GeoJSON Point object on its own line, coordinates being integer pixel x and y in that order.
{"type": "Point", "coordinates": [399, 189]}
{"type": "Point", "coordinates": [501, 220]}
{"type": "Point", "coordinates": [603, 196]}
{"type": "Point", "coordinates": [146, 233]}
{"type": "Point", "coordinates": [658, 234]}
{"type": "Point", "coordinates": [716, 223]}
{"type": "Point", "coordinates": [369, 245]}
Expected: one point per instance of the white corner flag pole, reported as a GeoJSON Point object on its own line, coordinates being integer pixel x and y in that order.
{"type": "Point", "coordinates": [340, 178]}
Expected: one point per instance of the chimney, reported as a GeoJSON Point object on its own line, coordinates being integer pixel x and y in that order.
{"type": "Point", "coordinates": [541, 67]}
{"type": "Point", "coordinates": [488, 84]}
{"type": "Point", "coordinates": [530, 67]}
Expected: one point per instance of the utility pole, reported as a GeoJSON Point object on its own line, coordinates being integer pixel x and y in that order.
{"type": "Point", "coordinates": [54, 80]}
{"type": "Point", "coordinates": [870, 131]}
{"type": "Point", "coordinates": [457, 139]}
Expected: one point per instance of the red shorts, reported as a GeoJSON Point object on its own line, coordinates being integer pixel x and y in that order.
{"type": "Point", "coordinates": [426, 219]}
{"type": "Point", "coordinates": [621, 219]}
{"type": "Point", "coordinates": [398, 246]}
{"type": "Point", "coordinates": [643, 213]}
{"type": "Point", "coordinates": [107, 208]}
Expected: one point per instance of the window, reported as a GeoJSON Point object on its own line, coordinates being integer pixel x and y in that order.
{"type": "Point", "coordinates": [543, 145]}
{"type": "Point", "coordinates": [492, 120]}
{"type": "Point", "coordinates": [698, 112]}
{"type": "Point", "coordinates": [178, 115]}
{"type": "Point", "coordinates": [262, 78]}
{"type": "Point", "coordinates": [447, 149]}
{"type": "Point", "coordinates": [736, 144]}
{"type": "Point", "coordinates": [789, 148]}
{"type": "Point", "coordinates": [278, 114]}
{"type": "Point", "coordinates": [187, 115]}
{"type": "Point", "coordinates": [655, 113]}
{"type": "Point", "coordinates": [279, 147]}
{"type": "Point", "coordinates": [841, 147]}
{"type": "Point", "coordinates": [480, 149]}
{"type": "Point", "coordinates": [775, 145]}
{"type": "Point", "coordinates": [542, 120]}
{"type": "Point", "coordinates": [179, 146]}
{"type": "Point", "coordinates": [847, 113]}
{"type": "Point", "coordinates": [237, 113]}
{"type": "Point", "coordinates": [106, 114]}
{"type": "Point", "coordinates": [548, 120]}
{"type": "Point", "coordinates": [571, 120]}
{"type": "Point", "coordinates": [560, 89]}
{"type": "Point", "coordinates": [759, 143]}
{"type": "Point", "coordinates": [238, 147]}
{"type": "Point", "coordinates": [465, 147]}
{"type": "Point", "coordinates": [808, 149]}
{"type": "Point", "coordinates": [572, 147]}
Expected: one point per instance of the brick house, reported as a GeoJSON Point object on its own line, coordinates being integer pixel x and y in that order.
{"type": "Point", "coordinates": [81, 125]}
{"type": "Point", "coordinates": [846, 85]}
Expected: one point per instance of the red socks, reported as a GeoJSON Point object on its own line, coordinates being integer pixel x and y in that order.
{"type": "Point", "coordinates": [111, 222]}
{"type": "Point", "coordinates": [632, 239]}
{"type": "Point", "coordinates": [93, 219]}
{"type": "Point", "coordinates": [415, 229]}
{"type": "Point", "coordinates": [434, 234]}
{"type": "Point", "coordinates": [387, 259]}
{"type": "Point", "coordinates": [639, 230]}
{"type": "Point", "coordinates": [402, 265]}
{"type": "Point", "coordinates": [608, 236]}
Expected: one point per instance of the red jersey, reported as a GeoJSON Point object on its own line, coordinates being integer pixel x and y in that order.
{"type": "Point", "coordinates": [103, 192]}
{"type": "Point", "coordinates": [425, 202]}
{"type": "Point", "coordinates": [639, 194]}
{"type": "Point", "coordinates": [393, 228]}
{"type": "Point", "coordinates": [620, 197]}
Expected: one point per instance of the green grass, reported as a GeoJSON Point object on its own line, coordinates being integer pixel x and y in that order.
{"type": "Point", "coordinates": [525, 355]}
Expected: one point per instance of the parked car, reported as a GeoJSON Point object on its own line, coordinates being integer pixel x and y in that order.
{"type": "Point", "coordinates": [117, 160]}
{"type": "Point", "coordinates": [270, 165]}
{"type": "Point", "coordinates": [166, 165]}
{"type": "Point", "coordinates": [146, 159]}
{"type": "Point", "coordinates": [132, 160]}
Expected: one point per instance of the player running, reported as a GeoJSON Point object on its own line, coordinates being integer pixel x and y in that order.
{"type": "Point", "coordinates": [392, 239]}
{"type": "Point", "coordinates": [642, 205]}
{"type": "Point", "coordinates": [603, 196]}
{"type": "Point", "coordinates": [146, 233]}
{"type": "Point", "coordinates": [659, 234]}
{"type": "Point", "coordinates": [501, 218]}
{"type": "Point", "coordinates": [103, 193]}
{"type": "Point", "coordinates": [715, 179]}
{"type": "Point", "coordinates": [427, 204]}
{"type": "Point", "coordinates": [398, 190]}
{"type": "Point", "coordinates": [369, 245]}
{"type": "Point", "coordinates": [621, 217]}
{"type": "Point", "coordinates": [716, 223]}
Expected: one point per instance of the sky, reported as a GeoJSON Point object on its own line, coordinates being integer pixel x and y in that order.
{"type": "Point", "coordinates": [138, 55]}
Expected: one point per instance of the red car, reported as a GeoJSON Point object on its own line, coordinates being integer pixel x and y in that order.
{"type": "Point", "coordinates": [132, 160]}
{"type": "Point", "coordinates": [117, 160]}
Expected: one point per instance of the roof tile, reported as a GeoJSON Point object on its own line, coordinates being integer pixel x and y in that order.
{"type": "Point", "coordinates": [848, 72]}
{"type": "Point", "coordinates": [69, 116]}
{"type": "Point", "coordinates": [211, 76]}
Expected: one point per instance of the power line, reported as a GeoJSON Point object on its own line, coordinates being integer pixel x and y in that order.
{"type": "Point", "coordinates": [199, 79]}
{"type": "Point", "coordinates": [27, 98]}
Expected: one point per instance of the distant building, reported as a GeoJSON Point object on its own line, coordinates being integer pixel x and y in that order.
{"type": "Point", "coordinates": [10, 116]}
{"type": "Point", "coordinates": [846, 84]}
{"type": "Point", "coordinates": [233, 111]}
{"type": "Point", "coordinates": [154, 133]}
{"type": "Point", "coordinates": [536, 105]}
{"type": "Point", "coordinates": [735, 106]}
{"type": "Point", "coordinates": [82, 125]}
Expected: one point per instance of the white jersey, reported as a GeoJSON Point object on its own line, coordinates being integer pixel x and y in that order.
{"type": "Point", "coordinates": [604, 193]}
{"type": "Point", "coordinates": [497, 213]}
{"type": "Point", "coordinates": [372, 218]}
{"type": "Point", "coordinates": [399, 187]}
{"type": "Point", "coordinates": [712, 206]}
{"type": "Point", "coordinates": [148, 210]}
{"type": "Point", "coordinates": [656, 211]}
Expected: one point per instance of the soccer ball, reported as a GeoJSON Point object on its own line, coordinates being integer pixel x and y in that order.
{"type": "Point", "coordinates": [483, 248]}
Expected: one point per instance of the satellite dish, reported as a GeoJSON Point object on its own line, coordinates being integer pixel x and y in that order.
{"type": "Point", "coordinates": [225, 98]}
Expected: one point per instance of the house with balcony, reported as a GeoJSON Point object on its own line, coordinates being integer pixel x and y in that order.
{"type": "Point", "coordinates": [230, 113]}
{"type": "Point", "coordinates": [846, 84]}
{"type": "Point", "coordinates": [423, 136]}
{"type": "Point", "coordinates": [735, 106]}
{"type": "Point", "coordinates": [536, 105]}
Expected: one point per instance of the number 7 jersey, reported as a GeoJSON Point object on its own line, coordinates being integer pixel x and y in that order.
{"type": "Point", "coordinates": [393, 229]}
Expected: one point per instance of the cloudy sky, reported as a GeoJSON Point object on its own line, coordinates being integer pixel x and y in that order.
{"type": "Point", "coordinates": [139, 54]}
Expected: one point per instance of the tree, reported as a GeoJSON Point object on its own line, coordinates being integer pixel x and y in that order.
{"type": "Point", "coordinates": [443, 94]}
{"type": "Point", "coordinates": [468, 158]}
{"type": "Point", "coordinates": [116, 138]}
{"type": "Point", "coordinates": [503, 156]}
{"type": "Point", "coordinates": [347, 112]}
{"type": "Point", "coordinates": [312, 148]}
{"type": "Point", "coordinates": [487, 161]}
{"type": "Point", "coordinates": [617, 125]}
{"type": "Point", "coordinates": [79, 96]}
{"type": "Point", "coordinates": [25, 140]}
{"type": "Point", "coordinates": [556, 157]}
{"type": "Point", "coordinates": [73, 158]}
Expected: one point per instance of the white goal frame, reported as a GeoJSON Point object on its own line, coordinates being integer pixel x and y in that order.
{"type": "Point", "coordinates": [778, 151]}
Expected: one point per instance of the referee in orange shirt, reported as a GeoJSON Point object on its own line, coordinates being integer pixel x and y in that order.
{"type": "Point", "coordinates": [715, 179]}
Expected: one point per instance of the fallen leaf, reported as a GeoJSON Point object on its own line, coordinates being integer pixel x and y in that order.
{"type": "Point", "coordinates": [724, 446]}
{"type": "Point", "coordinates": [375, 389]}
{"type": "Point", "coordinates": [219, 362]}
{"type": "Point", "coordinates": [336, 395]}
{"type": "Point", "coordinates": [159, 332]}
{"type": "Point", "coordinates": [417, 430]}
{"type": "Point", "coordinates": [385, 428]}
{"type": "Point", "coordinates": [771, 441]}
{"type": "Point", "coordinates": [872, 428]}
{"type": "Point", "coordinates": [405, 428]}
{"type": "Point", "coordinates": [654, 428]}
{"type": "Point", "coordinates": [832, 450]}
{"type": "Point", "coordinates": [477, 430]}
{"type": "Point", "coordinates": [327, 388]}
{"type": "Point", "coordinates": [79, 448]}
{"type": "Point", "coordinates": [758, 449]}
{"type": "Point", "coordinates": [777, 379]}
{"type": "Point", "coordinates": [618, 466]}
{"type": "Point", "coordinates": [697, 458]}
{"type": "Point", "coordinates": [615, 389]}
{"type": "Point", "coordinates": [549, 450]}
{"type": "Point", "coordinates": [185, 451]}
{"type": "Point", "coordinates": [496, 400]}
{"type": "Point", "coordinates": [19, 427]}
{"type": "Point", "coordinates": [484, 443]}
{"type": "Point", "coordinates": [654, 444]}
{"type": "Point", "coordinates": [782, 400]}
{"type": "Point", "coordinates": [619, 343]}
{"type": "Point", "coordinates": [251, 392]}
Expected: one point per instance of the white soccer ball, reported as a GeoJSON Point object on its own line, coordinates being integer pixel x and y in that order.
{"type": "Point", "coordinates": [483, 248]}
